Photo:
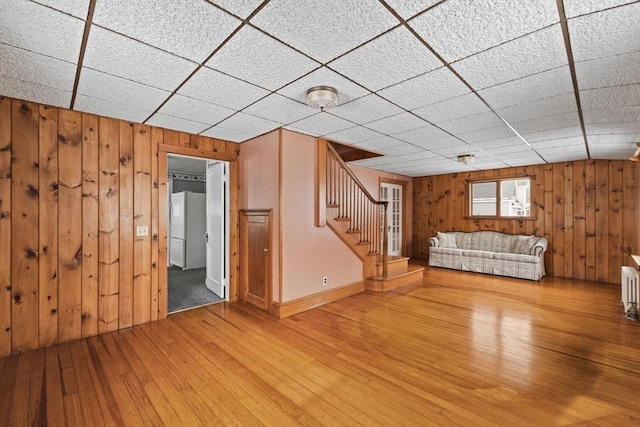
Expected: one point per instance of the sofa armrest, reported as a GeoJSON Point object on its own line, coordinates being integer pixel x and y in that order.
{"type": "Point", "coordinates": [433, 242]}
{"type": "Point", "coordinates": [540, 247]}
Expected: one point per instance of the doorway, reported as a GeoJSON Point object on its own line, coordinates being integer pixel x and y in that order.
{"type": "Point", "coordinates": [197, 232]}
{"type": "Point", "coordinates": [392, 193]}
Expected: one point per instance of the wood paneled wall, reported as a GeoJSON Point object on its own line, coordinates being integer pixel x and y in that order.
{"type": "Point", "coordinates": [73, 188]}
{"type": "Point", "coordinates": [586, 209]}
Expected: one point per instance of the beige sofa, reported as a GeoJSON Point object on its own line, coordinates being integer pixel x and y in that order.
{"type": "Point", "coordinates": [490, 252]}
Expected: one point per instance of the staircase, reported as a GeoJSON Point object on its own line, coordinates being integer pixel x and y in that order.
{"type": "Point", "coordinates": [345, 206]}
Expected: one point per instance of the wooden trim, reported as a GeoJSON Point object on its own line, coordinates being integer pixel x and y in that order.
{"type": "Point", "coordinates": [193, 152]}
{"type": "Point", "coordinates": [320, 186]}
{"type": "Point", "coordinates": [405, 214]}
{"type": "Point", "coordinates": [279, 219]}
{"type": "Point", "coordinates": [5, 226]}
{"type": "Point", "coordinates": [234, 265]}
{"type": "Point", "coordinates": [290, 308]}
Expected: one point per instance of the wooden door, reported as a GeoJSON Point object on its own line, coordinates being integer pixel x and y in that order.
{"type": "Point", "coordinates": [255, 252]}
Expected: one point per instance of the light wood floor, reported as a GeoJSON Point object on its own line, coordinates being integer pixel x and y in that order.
{"type": "Point", "coordinates": [456, 349]}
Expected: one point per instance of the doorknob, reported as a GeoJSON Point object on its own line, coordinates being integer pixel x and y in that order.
{"type": "Point", "coordinates": [266, 250]}
{"type": "Point", "coordinates": [206, 237]}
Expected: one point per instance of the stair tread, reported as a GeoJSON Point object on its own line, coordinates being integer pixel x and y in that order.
{"type": "Point", "coordinates": [363, 242]}
{"type": "Point", "coordinates": [392, 258]}
{"type": "Point", "coordinates": [410, 270]}
{"type": "Point", "coordinates": [353, 231]}
{"type": "Point", "coordinates": [342, 219]}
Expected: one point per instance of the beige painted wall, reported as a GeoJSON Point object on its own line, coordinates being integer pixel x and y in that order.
{"type": "Point", "coordinates": [308, 252]}
{"type": "Point", "coordinates": [260, 188]}
{"type": "Point", "coordinates": [370, 178]}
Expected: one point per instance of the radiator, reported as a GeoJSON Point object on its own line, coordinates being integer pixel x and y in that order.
{"type": "Point", "coordinates": [629, 287]}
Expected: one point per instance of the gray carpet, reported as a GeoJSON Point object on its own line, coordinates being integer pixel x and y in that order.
{"type": "Point", "coordinates": [187, 289]}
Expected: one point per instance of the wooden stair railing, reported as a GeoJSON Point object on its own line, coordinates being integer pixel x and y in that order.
{"type": "Point", "coordinates": [338, 187]}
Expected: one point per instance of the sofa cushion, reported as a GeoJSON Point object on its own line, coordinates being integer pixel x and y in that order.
{"type": "Point", "coordinates": [447, 240]}
{"type": "Point", "coordinates": [525, 244]}
{"type": "Point", "coordinates": [477, 254]}
{"type": "Point", "coordinates": [516, 257]}
{"type": "Point", "coordinates": [446, 251]}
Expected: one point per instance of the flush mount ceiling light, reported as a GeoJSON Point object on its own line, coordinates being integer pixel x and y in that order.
{"type": "Point", "coordinates": [322, 97]}
{"type": "Point", "coordinates": [466, 158]}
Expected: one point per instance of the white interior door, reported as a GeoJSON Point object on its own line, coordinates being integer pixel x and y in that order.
{"type": "Point", "coordinates": [392, 193]}
{"type": "Point", "coordinates": [216, 226]}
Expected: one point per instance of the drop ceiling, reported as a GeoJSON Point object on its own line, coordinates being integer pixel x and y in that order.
{"type": "Point", "coordinates": [513, 82]}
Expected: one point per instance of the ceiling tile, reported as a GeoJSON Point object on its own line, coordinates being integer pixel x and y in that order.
{"type": "Point", "coordinates": [195, 110]}
{"type": "Point", "coordinates": [353, 135]}
{"type": "Point", "coordinates": [549, 134]}
{"type": "Point", "coordinates": [422, 135]}
{"type": "Point", "coordinates": [320, 124]}
{"type": "Point", "coordinates": [39, 29]}
{"type": "Point", "coordinates": [613, 70]}
{"type": "Point", "coordinates": [216, 88]}
{"type": "Point", "coordinates": [605, 33]}
{"type": "Point", "coordinates": [407, 9]}
{"type": "Point", "coordinates": [135, 97]}
{"type": "Point", "coordinates": [518, 147]}
{"type": "Point", "coordinates": [558, 143]}
{"type": "Point", "coordinates": [538, 86]}
{"type": "Point", "coordinates": [490, 134]}
{"type": "Point", "coordinates": [429, 88]}
{"type": "Point", "coordinates": [324, 29]}
{"type": "Point", "coordinates": [347, 91]}
{"type": "Point", "coordinates": [608, 97]}
{"type": "Point", "coordinates": [459, 28]}
{"type": "Point", "coordinates": [77, 8]}
{"type": "Point", "coordinates": [118, 55]}
{"type": "Point", "coordinates": [388, 146]}
{"type": "Point", "coordinates": [396, 124]}
{"type": "Point", "coordinates": [497, 143]}
{"type": "Point", "coordinates": [280, 109]}
{"type": "Point", "coordinates": [471, 123]}
{"type": "Point", "coordinates": [366, 109]}
{"type": "Point", "coordinates": [233, 135]}
{"type": "Point", "coordinates": [191, 29]}
{"type": "Point", "coordinates": [615, 139]}
{"type": "Point", "coordinates": [531, 54]}
{"type": "Point", "coordinates": [264, 61]}
{"type": "Point", "coordinates": [573, 8]}
{"type": "Point", "coordinates": [35, 68]}
{"type": "Point", "coordinates": [241, 8]}
{"type": "Point", "coordinates": [564, 154]}
{"type": "Point", "coordinates": [176, 123]}
{"type": "Point", "coordinates": [614, 128]}
{"type": "Point", "coordinates": [249, 124]}
{"type": "Point", "coordinates": [455, 108]}
{"type": "Point", "coordinates": [611, 153]}
{"type": "Point", "coordinates": [557, 121]}
{"type": "Point", "coordinates": [34, 92]}
{"type": "Point", "coordinates": [545, 107]}
{"type": "Point", "coordinates": [612, 115]}
{"type": "Point", "coordinates": [375, 65]}
{"type": "Point", "coordinates": [108, 108]}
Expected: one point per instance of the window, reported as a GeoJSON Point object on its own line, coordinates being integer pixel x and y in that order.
{"type": "Point", "coordinates": [509, 198]}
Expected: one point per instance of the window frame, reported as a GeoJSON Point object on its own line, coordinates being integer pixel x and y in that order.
{"type": "Point", "coordinates": [499, 181]}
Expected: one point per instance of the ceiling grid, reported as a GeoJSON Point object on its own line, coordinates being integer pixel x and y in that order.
{"type": "Point", "coordinates": [513, 83]}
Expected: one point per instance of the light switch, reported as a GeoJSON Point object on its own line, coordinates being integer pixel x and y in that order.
{"type": "Point", "coordinates": [142, 230]}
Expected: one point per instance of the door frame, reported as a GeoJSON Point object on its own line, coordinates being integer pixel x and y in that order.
{"type": "Point", "coordinates": [244, 258]}
{"type": "Point", "coordinates": [163, 151]}
{"type": "Point", "coordinates": [403, 184]}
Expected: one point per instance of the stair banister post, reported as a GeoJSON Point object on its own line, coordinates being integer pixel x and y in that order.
{"type": "Point", "coordinates": [385, 237]}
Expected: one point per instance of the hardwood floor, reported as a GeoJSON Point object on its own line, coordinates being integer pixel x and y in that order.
{"type": "Point", "coordinates": [455, 349]}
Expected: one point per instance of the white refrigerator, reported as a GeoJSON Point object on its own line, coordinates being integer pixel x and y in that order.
{"type": "Point", "coordinates": [187, 227]}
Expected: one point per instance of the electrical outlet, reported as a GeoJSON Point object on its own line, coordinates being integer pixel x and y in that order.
{"type": "Point", "coordinates": [142, 231]}
{"type": "Point", "coordinates": [324, 281]}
